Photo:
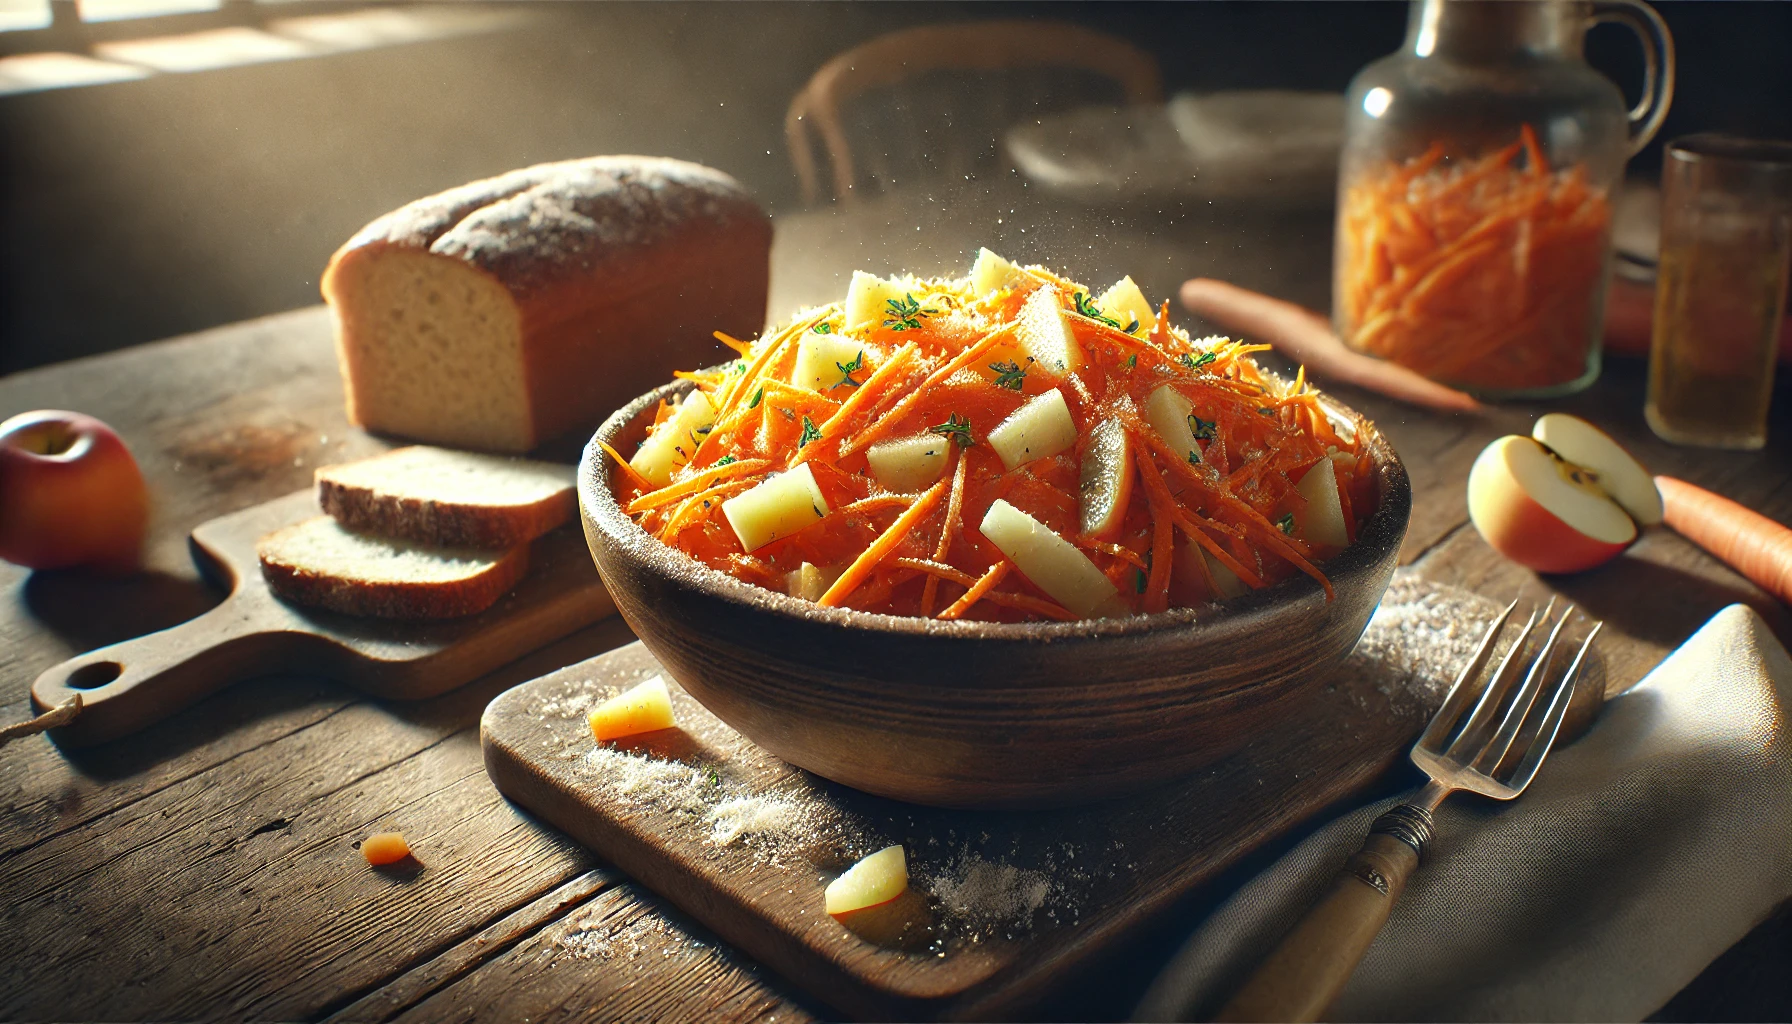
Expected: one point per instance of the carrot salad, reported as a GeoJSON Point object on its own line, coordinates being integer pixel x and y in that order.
{"type": "Point", "coordinates": [1482, 274]}
{"type": "Point", "coordinates": [1003, 447]}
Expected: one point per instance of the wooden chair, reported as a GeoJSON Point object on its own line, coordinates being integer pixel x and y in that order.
{"type": "Point", "coordinates": [935, 66]}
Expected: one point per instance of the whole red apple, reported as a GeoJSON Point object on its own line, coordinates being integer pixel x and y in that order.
{"type": "Point", "coordinates": [70, 494]}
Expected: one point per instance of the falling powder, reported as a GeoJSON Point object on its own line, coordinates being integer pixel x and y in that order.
{"type": "Point", "coordinates": [983, 892]}
{"type": "Point", "coordinates": [751, 816]}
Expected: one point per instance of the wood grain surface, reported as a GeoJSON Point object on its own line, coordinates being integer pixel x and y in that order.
{"type": "Point", "coordinates": [134, 881]}
{"type": "Point", "coordinates": [1008, 900]}
{"type": "Point", "coordinates": [128, 685]}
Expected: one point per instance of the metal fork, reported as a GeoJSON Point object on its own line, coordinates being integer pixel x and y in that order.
{"type": "Point", "coordinates": [1475, 749]}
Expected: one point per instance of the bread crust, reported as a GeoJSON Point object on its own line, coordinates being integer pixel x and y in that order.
{"type": "Point", "coordinates": [620, 268]}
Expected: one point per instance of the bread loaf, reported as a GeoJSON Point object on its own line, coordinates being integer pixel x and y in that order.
{"type": "Point", "coordinates": [505, 312]}
{"type": "Point", "coordinates": [448, 498]}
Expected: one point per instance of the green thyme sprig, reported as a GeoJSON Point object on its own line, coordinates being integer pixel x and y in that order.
{"type": "Point", "coordinates": [811, 432]}
{"type": "Point", "coordinates": [847, 369]}
{"type": "Point", "coordinates": [1286, 523]}
{"type": "Point", "coordinates": [1010, 375]}
{"type": "Point", "coordinates": [1204, 430]}
{"type": "Point", "coordinates": [957, 428]}
{"type": "Point", "coordinates": [1092, 311]}
{"type": "Point", "coordinates": [906, 314]}
{"type": "Point", "coordinates": [1195, 362]}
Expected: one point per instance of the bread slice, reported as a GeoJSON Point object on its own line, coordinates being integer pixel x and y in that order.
{"type": "Point", "coordinates": [508, 311]}
{"type": "Point", "coordinates": [320, 564]}
{"type": "Point", "coordinates": [448, 498]}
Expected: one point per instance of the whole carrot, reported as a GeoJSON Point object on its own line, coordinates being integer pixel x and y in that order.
{"type": "Point", "coordinates": [1745, 540]}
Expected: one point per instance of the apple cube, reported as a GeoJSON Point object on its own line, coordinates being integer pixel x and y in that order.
{"type": "Point", "coordinates": [1168, 410]}
{"type": "Point", "coordinates": [878, 878]}
{"type": "Point", "coordinates": [1126, 303]}
{"type": "Point", "coordinates": [671, 446]}
{"type": "Point", "coordinates": [1322, 521]}
{"type": "Point", "coordinates": [646, 707]}
{"type": "Point", "coordinates": [776, 508]}
{"type": "Point", "coordinates": [809, 581]}
{"type": "Point", "coordinates": [1542, 511]}
{"type": "Point", "coordinates": [1615, 470]}
{"type": "Point", "coordinates": [909, 464]}
{"type": "Point", "coordinates": [820, 363]}
{"type": "Point", "coordinates": [1044, 333]}
{"type": "Point", "coordinates": [992, 273]}
{"type": "Point", "coordinates": [1054, 564]}
{"type": "Point", "coordinates": [867, 301]}
{"type": "Point", "coordinates": [1037, 430]}
{"type": "Point", "coordinates": [1106, 479]}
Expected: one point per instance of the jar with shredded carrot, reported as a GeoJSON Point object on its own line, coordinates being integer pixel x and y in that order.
{"type": "Point", "coordinates": [1486, 273]}
{"type": "Point", "coordinates": [1008, 446]}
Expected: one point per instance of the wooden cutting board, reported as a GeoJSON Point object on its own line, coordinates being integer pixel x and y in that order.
{"type": "Point", "coordinates": [129, 685]}
{"type": "Point", "coordinates": [1000, 903]}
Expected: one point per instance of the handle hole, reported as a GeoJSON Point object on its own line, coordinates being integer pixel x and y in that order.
{"type": "Point", "coordinates": [88, 677]}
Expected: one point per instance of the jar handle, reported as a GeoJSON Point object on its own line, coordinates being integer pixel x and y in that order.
{"type": "Point", "coordinates": [1658, 64]}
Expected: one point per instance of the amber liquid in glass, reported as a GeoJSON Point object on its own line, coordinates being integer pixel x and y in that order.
{"type": "Point", "coordinates": [1718, 303]}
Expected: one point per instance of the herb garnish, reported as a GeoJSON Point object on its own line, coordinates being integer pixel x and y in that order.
{"type": "Point", "coordinates": [847, 369]}
{"type": "Point", "coordinates": [1204, 430]}
{"type": "Point", "coordinates": [1091, 310]}
{"type": "Point", "coordinates": [1194, 456]}
{"type": "Point", "coordinates": [905, 313]}
{"type": "Point", "coordinates": [1139, 580]}
{"type": "Point", "coordinates": [757, 395]}
{"type": "Point", "coordinates": [1196, 362]}
{"type": "Point", "coordinates": [810, 433]}
{"type": "Point", "coordinates": [725, 460]}
{"type": "Point", "coordinates": [1132, 361]}
{"type": "Point", "coordinates": [1009, 375]}
{"type": "Point", "coordinates": [1286, 523]}
{"type": "Point", "coordinates": [1130, 328]}
{"type": "Point", "coordinates": [956, 427]}
{"type": "Point", "coordinates": [823, 328]}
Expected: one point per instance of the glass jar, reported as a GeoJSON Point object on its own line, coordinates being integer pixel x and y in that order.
{"type": "Point", "coordinates": [1475, 193]}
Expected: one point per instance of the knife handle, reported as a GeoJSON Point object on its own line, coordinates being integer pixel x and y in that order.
{"type": "Point", "coordinates": [1307, 971]}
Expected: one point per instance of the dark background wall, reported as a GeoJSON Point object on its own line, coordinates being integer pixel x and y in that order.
{"type": "Point", "coordinates": [137, 210]}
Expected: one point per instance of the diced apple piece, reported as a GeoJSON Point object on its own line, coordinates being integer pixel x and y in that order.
{"type": "Point", "coordinates": [809, 581]}
{"type": "Point", "coordinates": [868, 298]}
{"type": "Point", "coordinates": [820, 363]}
{"type": "Point", "coordinates": [1045, 334]}
{"type": "Point", "coordinates": [1051, 562]}
{"type": "Point", "coordinates": [1322, 521]}
{"type": "Point", "coordinates": [991, 273]}
{"type": "Point", "coordinates": [909, 464]}
{"type": "Point", "coordinates": [1542, 511]}
{"type": "Point", "coordinates": [1126, 303]}
{"type": "Point", "coordinates": [1106, 479]}
{"type": "Point", "coordinates": [776, 508]}
{"type": "Point", "coordinates": [1037, 430]}
{"type": "Point", "coordinates": [1168, 410]}
{"type": "Point", "coordinates": [1190, 558]}
{"type": "Point", "coordinates": [1615, 470]}
{"type": "Point", "coordinates": [384, 848]}
{"type": "Point", "coordinates": [876, 879]}
{"type": "Point", "coordinates": [646, 707]}
{"type": "Point", "coordinates": [671, 445]}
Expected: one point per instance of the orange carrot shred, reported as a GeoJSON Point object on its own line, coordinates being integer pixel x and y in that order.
{"type": "Point", "coordinates": [984, 584]}
{"type": "Point", "coordinates": [861, 567]}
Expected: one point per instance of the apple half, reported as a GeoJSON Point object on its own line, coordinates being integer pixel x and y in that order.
{"type": "Point", "coordinates": [1615, 470]}
{"type": "Point", "coordinates": [1542, 511]}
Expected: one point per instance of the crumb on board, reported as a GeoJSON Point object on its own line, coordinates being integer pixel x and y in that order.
{"type": "Point", "coordinates": [383, 848]}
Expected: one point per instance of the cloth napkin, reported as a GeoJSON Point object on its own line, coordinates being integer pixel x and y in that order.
{"type": "Point", "coordinates": [1637, 856]}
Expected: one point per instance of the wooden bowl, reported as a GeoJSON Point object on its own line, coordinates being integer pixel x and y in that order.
{"type": "Point", "coordinates": [976, 714]}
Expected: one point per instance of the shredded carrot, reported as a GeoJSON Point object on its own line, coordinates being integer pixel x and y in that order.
{"type": "Point", "coordinates": [984, 585]}
{"type": "Point", "coordinates": [861, 567]}
{"type": "Point", "coordinates": [1481, 275]}
{"type": "Point", "coordinates": [634, 476]}
{"type": "Point", "coordinates": [948, 376]}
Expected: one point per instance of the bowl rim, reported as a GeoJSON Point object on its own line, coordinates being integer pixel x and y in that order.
{"type": "Point", "coordinates": [1384, 530]}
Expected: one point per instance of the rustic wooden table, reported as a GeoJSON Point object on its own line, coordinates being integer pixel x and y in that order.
{"type": "Point", "coordinates": [206, 867]}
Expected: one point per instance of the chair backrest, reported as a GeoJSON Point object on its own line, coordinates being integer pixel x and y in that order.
{"type": "Point", "coordinates": [938, 68]}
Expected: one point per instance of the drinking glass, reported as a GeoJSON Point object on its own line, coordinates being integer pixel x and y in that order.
{"type": "Point", "coordinates": [1720, 292]}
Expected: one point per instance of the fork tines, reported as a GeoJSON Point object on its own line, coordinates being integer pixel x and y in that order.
{"type": "Point", "coordinates": [1477, 743]}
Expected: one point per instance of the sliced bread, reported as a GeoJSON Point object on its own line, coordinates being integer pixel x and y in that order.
{"type": "Point", "coordinates": [320, 564]}
{"type": "Point", "coordinates": [449, 498]}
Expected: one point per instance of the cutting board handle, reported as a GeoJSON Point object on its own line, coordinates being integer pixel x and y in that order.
{"type": "Point", "coordinates": [128, 685]}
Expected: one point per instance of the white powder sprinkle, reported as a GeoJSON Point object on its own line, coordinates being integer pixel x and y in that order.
{"type": "Point", "coordinates": [985, 893]}
{"type": "Point", "coordinates": [751, 816]}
